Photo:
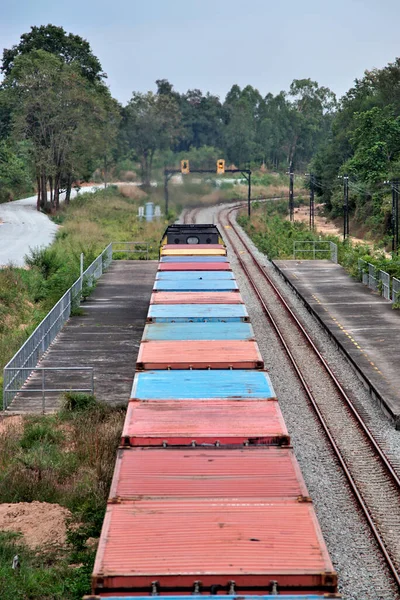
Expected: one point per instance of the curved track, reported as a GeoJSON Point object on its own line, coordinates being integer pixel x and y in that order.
{"type": "Point", "coordinates": [372, 479]}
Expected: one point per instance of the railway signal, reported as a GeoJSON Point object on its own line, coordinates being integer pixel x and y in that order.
{"type": "Point", "coordinates": [185, 169]}
{"type": "Point", "coordinates": [220, 166]}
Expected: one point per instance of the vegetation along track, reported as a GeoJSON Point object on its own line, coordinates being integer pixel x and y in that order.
{"type": "Point", "coordinates": [372, 479]}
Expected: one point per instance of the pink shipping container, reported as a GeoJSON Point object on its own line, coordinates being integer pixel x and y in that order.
{"type": "Point", "coordinates": [195, 266]}
{"type": "Point", "coordinates": [219, 421]}
{"type": "Point", "coordinates": [193, 247]}
{"type": "Point", "coordinates": [266, 472]}
{"type": "Point", "coordinates": [196, 298]}
{"type": "Point", "coordinates": [199, 354]}
{"type": "Point", "coordinates": [180, 542]}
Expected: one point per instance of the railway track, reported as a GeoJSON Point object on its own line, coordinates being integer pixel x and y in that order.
{"type": "Point", "coordinates": [189, 216]}
{"type": "Point", "coordinates": [370, 474]}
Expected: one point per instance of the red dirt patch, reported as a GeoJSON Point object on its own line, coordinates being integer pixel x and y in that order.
{"type": "Point", "coordinates": [41, 523]}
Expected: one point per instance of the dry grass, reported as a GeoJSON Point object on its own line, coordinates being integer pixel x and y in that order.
{"type": "Point", "coordinates": [132, 191]}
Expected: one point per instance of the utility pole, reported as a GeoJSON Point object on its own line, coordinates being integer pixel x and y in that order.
{"type": "Point", "coordinates": [395, 215]}
{"type": "Point", "coordinates": [345, 206]}
{"type": "Point", "coordinates": [291, 197]}
{"type": "Point", "coordinates": [312, 208]}
{"type": "Point", "coordinates": [249, 194]}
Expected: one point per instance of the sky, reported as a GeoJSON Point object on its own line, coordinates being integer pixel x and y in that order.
{"type": "Point", "coordinates": [212, 45]}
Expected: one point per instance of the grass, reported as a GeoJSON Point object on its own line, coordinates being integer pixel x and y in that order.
{"type": "Point", "coordinates": [274, 235]}
{"type": "Point", "coordinates": [67, 458]}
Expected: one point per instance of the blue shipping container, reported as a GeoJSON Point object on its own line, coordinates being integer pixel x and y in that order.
{"type": "Point", "coordinates": [195, 384]}
{"type": "Point", "coordinates": [197, 313]}
{"type": "Point", "coordinates": [198, 331]}
{"type": "Point", "coordinates": [196, 275]}
{"type": "Point", "coordinates": [188, 285]}
{"type": "Point", "coordinates": [200, 259]}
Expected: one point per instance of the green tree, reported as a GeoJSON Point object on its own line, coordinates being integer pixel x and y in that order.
{"type": "Point", "coordinates": [61, 114]}
{"type": "Point", "coordinates": [151, 123]}
{"type": "Point", "coordinates": [70, 48]}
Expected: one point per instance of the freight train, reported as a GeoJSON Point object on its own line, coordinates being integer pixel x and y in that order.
{"type": "Point", "coordinates": [207, 496]}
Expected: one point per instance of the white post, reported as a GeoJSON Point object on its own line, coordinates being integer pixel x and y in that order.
{"type": "Point", "coordinates": [81, 264]}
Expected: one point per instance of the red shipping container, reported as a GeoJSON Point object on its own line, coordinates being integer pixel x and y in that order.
{"type": "Point", "coordinates": [195, 266]}
{"type": "Point", "coordinates": [180, 542]}
{"type": "Point", "coordinates": [199, 354]}
{"type": "Point", "coordinates": [265, 472]}
{"type": "Point", "coordinates": [186, 422]}
{"type": "Point", "coordinates": [196, 298]}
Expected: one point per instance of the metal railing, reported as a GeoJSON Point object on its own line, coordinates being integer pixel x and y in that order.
{"type": "Point", "coordinates": [43, 389]}
{"type": "Point", "coordinates": [379, 281]}
{"type": "Point", "coordinates": [384, 279]}
{"type": "Point", "coordinates": [132, 248]}
{"type": "Point", "coordinates": [18, 369]}
{"type": "Point", "coordinates": [315, 248]}
{"type": "Point", "coordinates": [395, 290]}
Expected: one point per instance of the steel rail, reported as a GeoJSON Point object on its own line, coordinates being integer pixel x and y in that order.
{"type": "Point", "coordinates": [371, 439]}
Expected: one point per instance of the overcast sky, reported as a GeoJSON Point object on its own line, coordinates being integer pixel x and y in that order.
{"type": "Point", "coordinates": [211, 45]}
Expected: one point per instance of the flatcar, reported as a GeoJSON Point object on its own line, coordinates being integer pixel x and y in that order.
{"type": "Point", "coordinates": [207, 496]}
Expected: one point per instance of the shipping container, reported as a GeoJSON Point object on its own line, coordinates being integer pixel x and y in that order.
{"type": "Point", "coordinates": [266, 472]}
{"type": "Point", "coordinates": [196, 251]}
{"type": "Point", "coordinates": [198, 331]}
{"type": "Point", "coordinates": [199, 354]}
{"type": "Point", "coordinates": [195, 285]}
{"type": "Point", "coordinates": [196, 298]}
{"type": "Point", "coordinates": [112, 596]}
{"type": "Point", "coordinates": [193, 247]}
{"type": "Point", "coordinates": [195, 266]}
{"type": "Point", "coordinates": [185, 313]}
{"type": "Point", "coordinates": [178, 543]}
{"type": "Point", "coordinates": [206, 421]}
{"type": "Point", "coordinates": [188, 275]}
{"type": "Point", "coordinates": [178, 385]}
{"type": "Point", "coordinates": [191, 259]}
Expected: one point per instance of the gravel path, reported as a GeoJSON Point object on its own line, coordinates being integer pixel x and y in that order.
{"type": "Point", "coordinates": [362, 572]}
{"type": "Point", "coordinates": [22, 227]}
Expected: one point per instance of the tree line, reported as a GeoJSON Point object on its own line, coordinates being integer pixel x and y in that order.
{"type": "Point", "coordinates": [59, 123]}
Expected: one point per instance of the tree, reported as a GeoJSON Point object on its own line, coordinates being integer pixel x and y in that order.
{"type": "Point", "coordinates": [310, 105]}
{"type": "Point", "coordinates": [71, 49]}
{"type": "Point", "coordinates": [151, 122]}
{"type": "Point", "coordinates": [61, 114]}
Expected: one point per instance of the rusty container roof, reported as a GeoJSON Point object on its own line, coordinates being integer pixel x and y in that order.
{"type": "Point", "coordinates": [253, 472]}
{"type": "Point", "coordinates": [216, 541]}
{"type": "Point", "coordinates": [196, 298]}
{"type": "Point", "coordinates": [186, 422]}
{"type": "Point", "coordinates": [199, 354]}
{"type": "Point", "coordinates": [195, 266]}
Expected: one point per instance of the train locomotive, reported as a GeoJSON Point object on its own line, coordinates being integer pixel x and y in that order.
{"type": "Point", "coordinates": [207, 496]}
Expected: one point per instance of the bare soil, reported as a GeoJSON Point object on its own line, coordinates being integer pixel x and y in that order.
{"type": "Point", "coordinates": [40, 523]}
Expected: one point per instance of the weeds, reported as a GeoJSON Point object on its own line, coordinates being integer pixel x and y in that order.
{"type": "Point", "coordinates": [67, 458]}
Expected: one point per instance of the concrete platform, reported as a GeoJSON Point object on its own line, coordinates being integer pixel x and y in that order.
{"type": "Point", "coordinates": [363, 323]}
{"type": "Point", "coordinates": [106, 337]}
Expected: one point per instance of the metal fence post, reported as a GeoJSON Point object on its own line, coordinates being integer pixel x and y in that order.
{"type": "Point", "coordinates": [43, 394]}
